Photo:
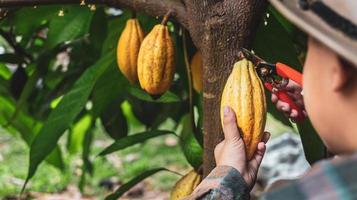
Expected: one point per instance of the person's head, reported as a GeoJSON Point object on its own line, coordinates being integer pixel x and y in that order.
{"type": "Point", "coordinates": [330, 69]}
{"type": "Point", "coordinates": [330, 97]}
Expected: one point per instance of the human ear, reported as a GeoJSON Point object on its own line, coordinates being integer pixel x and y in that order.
{"type": "Point", "coordinates": [343, 73]}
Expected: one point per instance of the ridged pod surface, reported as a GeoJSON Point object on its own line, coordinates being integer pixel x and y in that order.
{"type": "Point", "coordinates": [244, 93]}
{"type": "Point", "coordinates": [156, 67]}
{"type": "Point", "coordinates": [128, 49]}
{"type": "Point", "coordinates": [196, 69]}
{"type": "Point", "coordinates": [186, 185]}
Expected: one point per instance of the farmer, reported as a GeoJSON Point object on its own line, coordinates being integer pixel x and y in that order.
{"type": "Point", "coordinates": [330, 98]}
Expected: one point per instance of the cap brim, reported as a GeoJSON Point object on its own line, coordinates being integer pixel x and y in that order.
{"type": "Point", "coordinates": [312, 24]}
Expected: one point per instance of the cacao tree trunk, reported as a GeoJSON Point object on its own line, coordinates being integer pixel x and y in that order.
{"type": "Point", "coordinates": [219, 29]}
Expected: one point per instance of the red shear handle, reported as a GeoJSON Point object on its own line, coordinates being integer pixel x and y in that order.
{"type": "Point", "coordinates": [283, 96]}
{"type": "Point", "coordinates": [287, 72]}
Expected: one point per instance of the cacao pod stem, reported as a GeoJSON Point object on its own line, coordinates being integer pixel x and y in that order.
{"type": "Point", "coordinates": [166, 17]}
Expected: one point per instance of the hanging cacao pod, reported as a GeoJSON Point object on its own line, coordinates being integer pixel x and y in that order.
{"type": "Point", "coordinates": [244, 93]}
{"type": "Point", "coordinates": [185, 185]}
{"type": "Point", "coordinates": [196, 70]}
{"type": "Point", "coordinates": [128, 49]}
{"type": "Point", "coordinates": [156, 67]}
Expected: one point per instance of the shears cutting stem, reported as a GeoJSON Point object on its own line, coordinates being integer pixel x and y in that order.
{"type": "Point", "coordinates": [268, 71]}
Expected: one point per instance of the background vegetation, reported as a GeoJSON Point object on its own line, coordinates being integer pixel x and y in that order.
{"type": "Point", "coordinates": [61, 92]}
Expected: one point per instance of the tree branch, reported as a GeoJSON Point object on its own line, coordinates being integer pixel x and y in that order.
{"type": "Point", "coordinates": [150, 7]}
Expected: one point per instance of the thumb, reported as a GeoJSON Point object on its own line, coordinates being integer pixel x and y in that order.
{"type": "Point", "coordinates": [230, 128]}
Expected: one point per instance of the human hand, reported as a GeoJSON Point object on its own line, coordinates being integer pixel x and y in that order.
{"type": "Point", "coordinates": [294, 91]}
{"type": "Point", "coordinates": [231, 151]}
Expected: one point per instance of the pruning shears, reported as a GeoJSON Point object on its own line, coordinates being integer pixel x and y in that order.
{"type": "Point", "coordinates": [275, 78]}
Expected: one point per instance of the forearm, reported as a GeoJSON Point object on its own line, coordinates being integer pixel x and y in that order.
{"type": "Point", "coordinates": [223, 183]}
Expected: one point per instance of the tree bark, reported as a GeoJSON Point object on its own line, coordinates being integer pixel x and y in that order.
{"type": "Point", "coordinates": [219, 28]}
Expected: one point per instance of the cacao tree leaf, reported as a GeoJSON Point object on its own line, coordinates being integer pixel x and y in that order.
{"type": "Point", "coordinates": [87, 166]}
{"type": "Point", "coordinates": [98, 29]}
{"type": "Point", "coordinates": [5, 73]}
{"type": "Point", "coordinates": [109, 88]}
{"type": "Point", "coordinates": [288, 26]}
{"type": "Point", "coordinates": [77, 134]}
{"type": "Point", "coordinates": [133, 139]}
{"type": "Point", "coordinates": [39, 16]}
{"type": "Point", "coordinates": [115, 28]}
{"type": "Point", "coordinates": [127, 186]}
{"type": "Point", "coordinates": [24, 125]}
{"type": "Point", "coordinates": [25, 93]}
{"type": "Point", "coordinates": [10, 58]}
{"type": "Point", "coordinates": [74, 24]}
{"type": "Point", "coordinates": [190, 146]}
{"type": "Point", "coordinates": [314, 148]}
{"type": "Point", "coordinates": [64, 114]}
{"type": "Point", "coordinates": [168, 97]}
{"type": "Point", "coordinates": [114, 121]}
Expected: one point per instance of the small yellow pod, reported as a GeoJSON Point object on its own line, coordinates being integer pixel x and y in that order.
{"type": "Point", "coordinates": [196, 70]}
{"type": "Point", "coordinates": [186, 185]}
{"type": "Point", "coordinates": [128, 49]}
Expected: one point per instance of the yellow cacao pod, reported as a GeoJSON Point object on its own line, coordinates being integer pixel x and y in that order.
{"type": "Point", "coordinates": [128, 49]}
{"type": "Point", "coordinates": [186, 185]}
{"type": "Point", "coordinates": [244, 93]}
{"type": "Point", "coordinates": [156, 67]}
{"type": "Point", "coordinates": [196, 70]}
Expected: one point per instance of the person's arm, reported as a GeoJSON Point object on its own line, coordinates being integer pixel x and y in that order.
{"type": "Point", "coordinates": [224, 182]}
{"type": "Point", "coordinates": [234, 176]}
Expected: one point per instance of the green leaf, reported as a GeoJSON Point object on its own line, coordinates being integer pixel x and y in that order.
{"type": "Point", "coordinates": [127, 186]}
{"type": "Point", "coordinates": [288, 26]}
{"type": "Point", "coordinates": [24, 125]}
{"type": "Point", "coordinates": [78, 133]}
{"type": "Point", "coordinates": [87, 166]}
{"type": "Point", "coordinates": [191, 148]}
{"type": "Point", "coordinates": [39, 16]}
{"type": "Point", "coordinates": [114, 121]}
{"type": "Point", "coordinates": [74, 24]}
{"type": "Point", "coordinates": [115, 27]}
{"type": "Point", "coordinates": [98, 29]}
{"type": "Point", "coordinates": [314, 148]}
{"type": "Point", "coordinates": [4, 72]}
{"type": "Point", "coordinates": [168, 97]}
{"type": "Point", "coordinates": [274, 44]}
{"type": "Point", "coordinates": [55, 158]}
{"type": "Point", "coordinates": [10, 58]}
{"type": "Point", "coordinates": [109, 88]}
{"type": "Point", "coordinates": [133, 139]}
{"type": "Point", "coordinates": [64, 114]}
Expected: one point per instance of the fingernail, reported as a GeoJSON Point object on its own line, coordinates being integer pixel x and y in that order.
{"type": "Point", "coordinates": [226, 110]}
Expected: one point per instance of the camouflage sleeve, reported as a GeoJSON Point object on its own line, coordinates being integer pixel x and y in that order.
{"type": "Point", "coordinates": [223, 183]}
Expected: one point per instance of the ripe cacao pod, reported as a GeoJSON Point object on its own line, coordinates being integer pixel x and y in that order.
{"type": "Point", "coordinates": [186, 185]}
{"type": "Point", "coordinates": [244, 93]}
{"type": "Point", "coordinates": [196, 70]}
{"type": "Point", "coordinates": [128, 49]}
{"type": "Point", "coordinates": [156, 67]}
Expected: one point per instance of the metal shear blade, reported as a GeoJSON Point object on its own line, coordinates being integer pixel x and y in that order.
{"type": "Point", "coordinates": [265, 70]}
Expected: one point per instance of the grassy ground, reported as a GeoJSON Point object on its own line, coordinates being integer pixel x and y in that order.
{"type": "Point", "coordinates": [117, 167]}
